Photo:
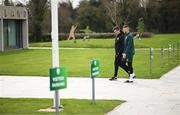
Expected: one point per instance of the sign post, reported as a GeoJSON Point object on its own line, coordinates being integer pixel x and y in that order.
{"type": "Point", "coordinates": [94, 73]}
{"type": "Point", "coordinates": [58, 80]}
{"type": "Point", "coordinates": [55, 47]}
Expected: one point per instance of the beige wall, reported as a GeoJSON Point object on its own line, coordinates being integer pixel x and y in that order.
{"type": "Point", "coordinates": [0, 11]}
{"type": "Point", "coordinates": [1, 35]}
{"type": "Point", "coordinates": [25, 34]}
{"type": "Point", "coordinates": [1, 30]}
{"type": "Point", "coordinates": [11, 12]}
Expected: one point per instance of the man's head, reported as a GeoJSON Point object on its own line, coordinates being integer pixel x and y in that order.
{"type": "Point", "coordinates": [125, 28]}
{"type": "Point", "coordinates": [116, 30]}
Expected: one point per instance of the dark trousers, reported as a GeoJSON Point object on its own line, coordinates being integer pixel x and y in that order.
{"type": "Point", "coordinates": [122, 63]}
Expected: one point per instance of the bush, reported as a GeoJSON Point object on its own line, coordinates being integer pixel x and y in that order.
{"type": "Point", "coordinates": [144, 34]}
{"type": "Point", "coordinates": [63, 36]}
{"type": "Point", "coordinates": [95, 35]}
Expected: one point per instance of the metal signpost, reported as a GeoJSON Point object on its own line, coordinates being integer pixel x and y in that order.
{"type": "Point", "coordinates": [58, 80]}
{"type": "Point", "coordinates": [94, 73]}
{"type": "Point", "coordinates": [55, 46]}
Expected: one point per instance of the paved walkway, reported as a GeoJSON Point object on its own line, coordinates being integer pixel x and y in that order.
{"type": "Point", "coordinates": [144, 97]}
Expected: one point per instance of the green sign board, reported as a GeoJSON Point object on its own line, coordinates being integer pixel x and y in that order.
{"type": "Point", "coordinates": [58, 78]}
{"type": "Point", "coordinates": [95, 68]}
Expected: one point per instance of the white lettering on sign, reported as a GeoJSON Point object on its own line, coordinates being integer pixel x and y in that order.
{"type": "Point", "coordinates": [58, 84]}
{"type": "Point", "coordinates": [95, 69]}
{"type": "Point", "coordinates": [58, 71]}
{"type": "Point", "coordinates": [60, 78]}
{"type": "Point", "coordinates": [94, 62]}
{"type": "Point", "coordinates": [95, 73]}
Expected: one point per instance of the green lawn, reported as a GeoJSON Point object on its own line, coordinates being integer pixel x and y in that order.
{"type": "Point", "coordinates": [71, 106]}
{"type": "Point", "coordinates": [77, 61]}
{"type": "Point", "coordinates": [156, 41]}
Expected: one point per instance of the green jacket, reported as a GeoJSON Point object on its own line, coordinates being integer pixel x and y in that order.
{"type": "Point", "coordinates": [129, 47]}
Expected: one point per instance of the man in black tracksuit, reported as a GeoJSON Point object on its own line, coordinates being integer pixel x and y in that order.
{"type": "Point", "coordinates": [119, 48]}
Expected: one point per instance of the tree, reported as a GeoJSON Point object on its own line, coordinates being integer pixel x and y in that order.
{"type": "Point", "coordinates": [122, 12]}
{"type": "Point", "coordinates": [19, 4]}
{"type": "Point", "coordinates": [141, 25]}
{"type": "Point", "coordinates": [37, 10]}
{"type": "Point", "coordinates": [152, 16]}
{"type": "Point", "coordinates": [86, 15]}
{"type": "Point", "coordinates": [8, 3]}
{"type": "Point", "coordinates": [162, 16]}
{"type": "Point", "coordinates": [169, 16]}
{"type": "Point", "coordinates": [111, 11]}
{"type": "Point", "coordinates": [92, 13]}
{"type": "Point", "coordinates": [66, 16]}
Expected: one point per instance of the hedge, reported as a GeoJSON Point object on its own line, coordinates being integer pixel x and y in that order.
{"type": "Point", "coordinates": [63, 36]}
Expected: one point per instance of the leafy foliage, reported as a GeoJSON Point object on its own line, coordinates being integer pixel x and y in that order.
{"type": "Point", "coordinates": [159, 16]}
{"type": "Point", "coordinates": [37, 10]}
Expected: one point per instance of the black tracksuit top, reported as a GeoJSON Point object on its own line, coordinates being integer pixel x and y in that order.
{"type": "Point", "coordinates": [119, 44]}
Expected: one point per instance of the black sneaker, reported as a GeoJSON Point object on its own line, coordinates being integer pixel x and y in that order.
{"type": "Point", "coordinates": [113, 79]}
{"type": "Point", "coordinates": [128, 81]}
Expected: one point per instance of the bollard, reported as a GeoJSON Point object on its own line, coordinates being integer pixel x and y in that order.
{"type": "Point", "coordinates": [162, 57]}
{"type": "Point", "coordinates": [150, 69]}
{"type": "Point", "coordinates": [169, 48]}
{"type": "Point", "coordinates": [173, 50]}
{"type": "Point", "coordinates": [177, 51]}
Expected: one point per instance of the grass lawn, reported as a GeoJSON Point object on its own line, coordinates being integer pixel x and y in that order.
{"type": "Point", "coordinates": [77, 62]}
{"type": "Point", "coordinates": [156, 41]}
{"type": "Point", "coordinates": [71, 106]}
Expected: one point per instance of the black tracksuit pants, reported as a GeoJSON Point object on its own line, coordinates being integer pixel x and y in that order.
{"type": "Point", "coordinates": [122, 63]}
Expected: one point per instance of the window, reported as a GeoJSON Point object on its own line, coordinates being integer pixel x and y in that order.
{"type": "Point", "coordinates": [12, 34]}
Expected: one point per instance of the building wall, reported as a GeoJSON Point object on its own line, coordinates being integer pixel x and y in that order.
{"type": "Point", "coordinates": [1, 30]}
{"type": "Point", "coordinates": [1, 35]}
{"type": "Point", "coordinates": [11, 12]}
{"type": "Point", "coordinates": [14, 13]}
{"type": "Point", "coordinates": [25, 34]}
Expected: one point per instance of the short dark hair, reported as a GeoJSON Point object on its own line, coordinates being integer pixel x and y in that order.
{"type": "Point", "coordinates": [126, 26]}
{"type": "Point", "coordinates": [116, 28]}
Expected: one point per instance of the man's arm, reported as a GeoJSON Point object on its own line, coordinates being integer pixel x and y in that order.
{"type": "Point", "coordinates": [128, 46]}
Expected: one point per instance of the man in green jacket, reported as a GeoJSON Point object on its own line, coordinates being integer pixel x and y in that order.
{"type": "Point", "coordinates": [129, 52]}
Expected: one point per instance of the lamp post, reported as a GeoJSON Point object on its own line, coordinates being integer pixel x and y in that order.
{"type": "Point", "coordinates": [55, 47]}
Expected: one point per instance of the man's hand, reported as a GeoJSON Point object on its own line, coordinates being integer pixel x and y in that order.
{"type": "Point", "coordinates": [116, 54]}
{"type": "Point", "coordinates": [123, 55]}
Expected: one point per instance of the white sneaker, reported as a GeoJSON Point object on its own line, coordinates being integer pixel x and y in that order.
{"type": "Point", "coordinates": [131, 76]}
